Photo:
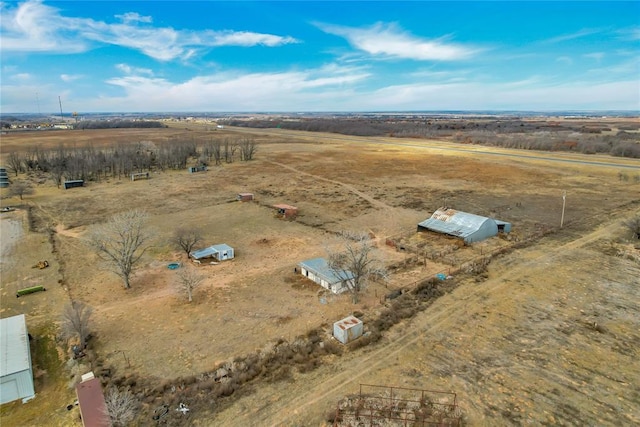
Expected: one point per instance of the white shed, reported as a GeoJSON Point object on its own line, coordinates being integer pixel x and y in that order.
{"type": "Point", "coordinates": [348, 329]}
{"type": "Point", "coordinates": [16, 373]}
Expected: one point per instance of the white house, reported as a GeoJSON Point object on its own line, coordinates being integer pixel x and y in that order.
{"type": "Point", "coordinates": [318, 270]}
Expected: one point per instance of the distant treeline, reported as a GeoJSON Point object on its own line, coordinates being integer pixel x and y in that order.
{"type": "Point", "coordinates": [114, 124]}
{"type": "Point", "coordinates": [548, 135]}
{"type": "Point", "coordinates": [96, 164]}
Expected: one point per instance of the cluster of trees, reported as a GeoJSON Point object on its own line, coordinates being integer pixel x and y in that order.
{"type": "Point", "coordinates": [95, 164]}
{"type": "Point", "coordinates": [114, 124]}
{"type": "Point", "coordinates": [514, 133]}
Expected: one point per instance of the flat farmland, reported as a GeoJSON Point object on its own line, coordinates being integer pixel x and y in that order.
{"type": "Point", "coordinates": [517, 346]}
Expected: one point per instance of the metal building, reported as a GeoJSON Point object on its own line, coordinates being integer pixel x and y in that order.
{"type": "Point", "coordinates": [469, 227]}
{"type": "Point", "coordinates": [93, 408]}
{"type": "Point", "coordinates": [317, 269]}
{"type": "Point", "coordinates": [16, 372]}
{"type": "Point", "coordinates": [348, 329]}
{"type": "Point", "coordinates": [220, 252]}
{"type": "Point", "coordinates": [286, 211]}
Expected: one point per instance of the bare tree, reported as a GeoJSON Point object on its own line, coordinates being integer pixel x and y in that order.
{"type": "Point", "coordinates": [187, 238]}
{"type": "Point", "coordinates": [76, 319]}
{"type": "Point", "coordinates": [122, 407]}
{"type": "Point", "coordinates": [189, 280]}
{"type": "Point", "coordinates": [356, 263]}
{"type": "Point", "coordinates": [248, 149]}
{"type": "Point", "coordinates": [121, 242]}
{"type": "Point", "coordinates": [15, 162]}
{"type": "Point", "coordinates": [633, 224]}
{"type": "Point", "coordinates": [21, 188]}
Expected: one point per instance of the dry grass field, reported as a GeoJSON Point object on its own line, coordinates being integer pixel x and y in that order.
{"type": "Point", "coordinates": [549, 336]}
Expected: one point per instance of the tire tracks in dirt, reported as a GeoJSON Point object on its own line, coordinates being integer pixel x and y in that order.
{"type": "Point", "coordinates": [284, 411]}
{"type": "Point", "coordinates": [349, 187]}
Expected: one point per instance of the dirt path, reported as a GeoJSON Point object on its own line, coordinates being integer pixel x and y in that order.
{"type": "Point", "coordinates": [316, 389]}
{"type": "Point", "coordinates": [351, 188]}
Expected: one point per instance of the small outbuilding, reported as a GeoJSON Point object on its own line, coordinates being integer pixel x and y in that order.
{"type": "Point", "coordinates": [93, 407]}
{"type": "Point", "coordinates": [194, 169]}
{"type": "Point", "coordinates": [286, 211]}
{"type": "Point", "coordinates": [219, 252]}
{"type": "Point", "coordinates": [348, 329]}
{"type": "Point", "coordinates": [318, 270]}
{"type": "Point", "coordinates": [245, 197]}
{"type": "Point", "coordinates": [73, 183]}
{"type": "Point", "coordinates": [469, 227]}
{"type": "Point", "coordinates": [16, 372]}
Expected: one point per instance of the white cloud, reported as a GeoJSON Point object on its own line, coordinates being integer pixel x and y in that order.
{"type": "Point", "coordinates": [388, 40]}
{"type": "Point", "coordinates": [629, 34]}
{"type": "Point", "coordinates": [564, 60]}
{"type": "Point", "coordinates": [35, 27]}
{"type": "Point", "coordinates": [70, 77]}
{"type": "Point", "coordinates": [576, 35]}
{"type": "Point", "coordinates": [21, 76]}
{"type": "Point", "coordinates": [596, 56]}
{"type": "Point", "coordinates": [134, 17]}
{"type": "Point", "coordinates": [127, 69]}
{"type": "Point", "coordinates": [243, 38]}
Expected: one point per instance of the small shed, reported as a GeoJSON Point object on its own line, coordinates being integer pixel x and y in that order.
{"type": "Point", "coordinates": [194, 169]}
{"type": "Point", "coordinates": [4, 177]}
{"type": "Point", "coordinates": [318, 270]}
{"type": "Point", "coordinates": [286, 211]}
{"type": "Point", "coordinates": [469, 227]}
{"type": "Point", "coordinates": [219, 252]}
{"type": "Point", "coordinates": [93, 408]}
{"type": "Point", "coordinates": [348, 329]}
{"type": "Point", "coordinates": [16, 372]}
{"type": "Point", "coordinates": [73, 183]}
{"type": "Point", "coordinates": [245, 197]}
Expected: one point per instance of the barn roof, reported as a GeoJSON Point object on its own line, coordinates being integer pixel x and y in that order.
{"type": "Point", "coordinates": [93, 407]}
{"type": "Point", "coordinates": [321, 268]}
{"type": "Point", "coordinates": [453, 222]}
{"type": "Point", "coordinates": [14, 345]}
{"type": "Point", "coordinates": [210, 251]}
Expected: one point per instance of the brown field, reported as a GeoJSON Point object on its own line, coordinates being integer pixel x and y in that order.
{"type": "Point", "coordinates": [550, 336]}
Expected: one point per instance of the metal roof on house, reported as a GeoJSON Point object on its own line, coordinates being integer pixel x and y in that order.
{"type": "Point", "coordinates": [210, 251]}
{"type": "Point", "coordinates": [14, 345]}
{"type": "Point", "coordinates": [453, 222]}
{"type": "Point", "coordinates": [321, 268]}
{"type": "Point", "coordinates": [93, 407]}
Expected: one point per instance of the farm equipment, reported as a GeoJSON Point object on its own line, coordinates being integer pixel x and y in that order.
{"type": "Point", "coordinates": [31, 290]}
{"type": "Point", "coordinates": [41, 264]}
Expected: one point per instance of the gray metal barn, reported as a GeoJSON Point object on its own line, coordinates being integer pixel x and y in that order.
{"type": "Point", "coordinates": [469, 227]}
{"type": "Point", "coordinates": [16, 372]}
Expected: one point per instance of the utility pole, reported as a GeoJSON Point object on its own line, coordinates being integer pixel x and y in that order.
{"type": "Point", "coordinates": [564, 201]}
{"type": "Point", "coordinates": [60, 102]}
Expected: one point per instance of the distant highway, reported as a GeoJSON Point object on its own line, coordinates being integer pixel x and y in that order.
{"type": "Point", "coordinates": [619, 162]}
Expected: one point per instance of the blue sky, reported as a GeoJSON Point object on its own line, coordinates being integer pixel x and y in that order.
{"type": "Point", "coordinates": [215, 56]}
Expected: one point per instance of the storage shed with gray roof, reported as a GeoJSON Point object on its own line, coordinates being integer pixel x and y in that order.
{"type": "Point", "coordinates": [220, 252]}
{"type": "Point", "coordinates": [318, 270]}
{"type": "Point", "coordinates": [16, 372]}
{"type": "Point", "coordinates": [469, 227]}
